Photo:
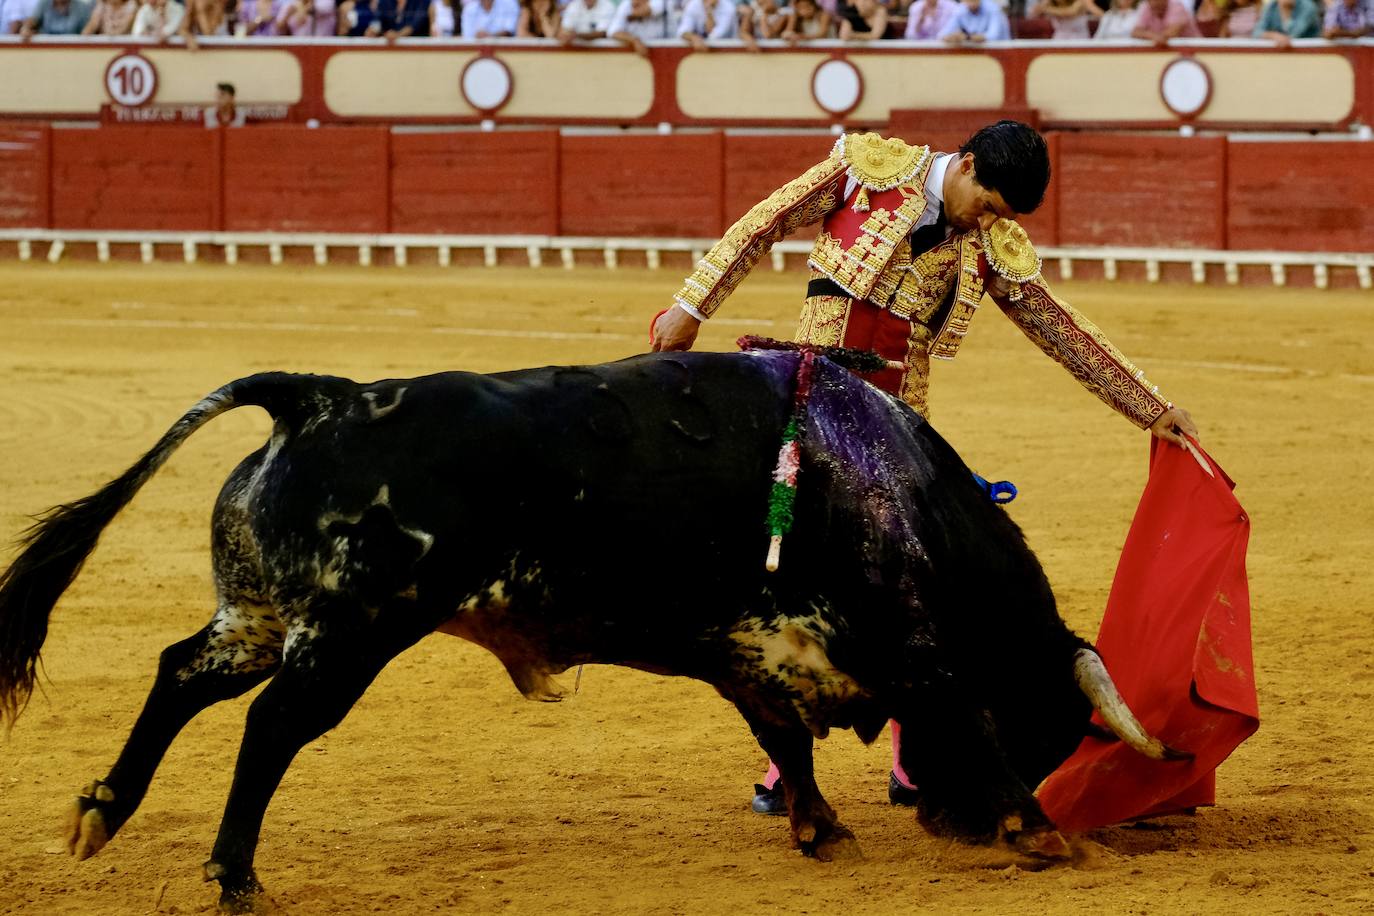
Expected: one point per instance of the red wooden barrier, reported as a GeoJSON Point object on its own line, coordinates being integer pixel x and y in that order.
{"type": "Point", "coordinates": [641, 185]}
{"type": "Point", "coordinates": [294, 179]}
{"type": "Point", "coordinates": [1043, 225]}
{"type": "Point", "coordinates": [24, 150]}
{"type": "Point", "coordinates": [1122, 190]}
{"type": "Point", "coordinates": [756, 166]}
{"type": "Point", "coordinates": [1142, 191]}
{"type": "Point", "coordinates": [1301, 196]}
{"type": "Point", "coordinates": [475, 183]}
{"type": "Point", "coordinates": [154, 178]}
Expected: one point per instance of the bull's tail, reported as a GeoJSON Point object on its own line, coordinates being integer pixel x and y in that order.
{"type": "Point", "coordinates": [54, 548]}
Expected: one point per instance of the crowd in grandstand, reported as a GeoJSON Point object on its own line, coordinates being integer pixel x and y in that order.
{"type": "Point", "coordinates": [698, 22]}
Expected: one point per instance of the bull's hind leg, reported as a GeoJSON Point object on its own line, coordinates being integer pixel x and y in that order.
{"type": "Point", "coordinates": [239, 647]}
{"type": "Point", "coordinates": [816, 829]}
{"type": "Point", "coordinates": [334, 649]}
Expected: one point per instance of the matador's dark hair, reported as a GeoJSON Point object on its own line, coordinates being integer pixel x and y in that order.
{"type": "Point", "coordinates": [1012, 159]}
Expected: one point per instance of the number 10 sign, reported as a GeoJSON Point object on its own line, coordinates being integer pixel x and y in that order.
{"type": "Point", "coordinates": [131, 80]}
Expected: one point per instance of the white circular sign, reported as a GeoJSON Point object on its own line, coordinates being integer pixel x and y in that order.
{"type": "Point", "coordinates": [837, 86]}
{"type": "Point", "coordinates": [486, 83]}
{"type": "Point", "coordinates": [1186, 86]}
{"type": "Point", "coordinates": [131, 80]}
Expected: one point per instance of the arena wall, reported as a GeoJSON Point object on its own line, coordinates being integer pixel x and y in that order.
{"type": "Point", "coordinates": [1243, 85]}
{"type": "Point", "coordinates": [1137, 190]}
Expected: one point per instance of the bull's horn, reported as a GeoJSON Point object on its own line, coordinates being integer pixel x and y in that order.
{"type": "Point", "coordinates": [1096, 684]}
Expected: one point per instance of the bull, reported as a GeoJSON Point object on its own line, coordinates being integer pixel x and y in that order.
{"type": "Point", "coordinates": [530, 512]}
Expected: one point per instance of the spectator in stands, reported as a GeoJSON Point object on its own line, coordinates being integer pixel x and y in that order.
{"type": "Point", "coordinates": [1118, 22]}
{"type": "Point", "coordinates": [12, 15]}
{"type": "Point", "coordinates": [225, 112]}
{"type": "Point", "coordinates": [160, 19]}
{"type": "Point", "coordinates": [760, 19]}
{"type": "Point", "coordinates": [539, 19]}
{"type": "Point", "coordinates": [867, 22]}
{"type": "Point", "coordinates": [204, 17]}
{"type": "Point", "coordinates": [57, 17]}
{"type": "Point", "coordinates": [1068, 18]}
{"type": "Point", "coordinates": [1284, 20]}
{"type": "Point", "coordinates": [256, 19]}
{"type": "Point", "coordinates": [443, 19]}
{"type": "Point", "coordinates": [925, 19]}
{"type": "Point", "coordinates": [977, 22]}
{"type": "Point", "coordinates": [806, 21]}
{"type": "Point", "coordinates": [307, 18]}
{"type": "Point", "coordinates": [400, 19]}
{"type": "Point", "coordinates": [111, 17]}
{"type": "Point", "coordinates": [704, 20]}
{"type": "Point", "coordinates": [490, 18]}
{"type": "Point", "coordinates": [585, 20]}
{"type": "Point", "coordinates": [1160, 20]}
{"type": "Point", "coordinates": [638, 21]}
{"type": "Point", "coordinates": [1349, 19]}
{"type": "Point", "coordinates": [1236, 18]}
{"type": "Point", "coordinates": [355, 16]}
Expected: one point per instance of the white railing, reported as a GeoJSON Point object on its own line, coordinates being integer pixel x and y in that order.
{"type": "Point", "coordinates": [228, 245]}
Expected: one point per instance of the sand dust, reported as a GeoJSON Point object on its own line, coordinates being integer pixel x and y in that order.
{"type": "Point", "coordinates": [445, 791]}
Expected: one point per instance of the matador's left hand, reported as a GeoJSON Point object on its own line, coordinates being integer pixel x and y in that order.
{"type": "Point", "coordinates": [1173, 424]}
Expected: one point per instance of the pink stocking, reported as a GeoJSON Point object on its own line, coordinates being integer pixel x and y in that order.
{"type": "Point", "coordinates": [896, 756]}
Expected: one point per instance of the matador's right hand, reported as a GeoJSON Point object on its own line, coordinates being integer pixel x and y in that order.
{"type": "Point", "coordinates": [674, 329]}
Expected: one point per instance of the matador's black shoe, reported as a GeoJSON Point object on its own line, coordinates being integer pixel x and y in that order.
{"type": "Point", "coordinates": [769, 801]}
{"type": "Point", "coordinates": [899, 794]}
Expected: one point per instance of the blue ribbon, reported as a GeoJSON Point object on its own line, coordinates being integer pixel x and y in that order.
{"type": "Point", "coordinates": [1000, 492]}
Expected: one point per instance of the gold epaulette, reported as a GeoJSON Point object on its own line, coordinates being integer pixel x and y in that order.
{"type": "Point", "coordinates": [1010, 252]}
{"type": "Point", "coordinates": [880, 163]}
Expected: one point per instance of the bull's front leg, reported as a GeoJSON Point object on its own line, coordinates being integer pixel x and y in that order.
{"type": "Point", "coordinates": [816, 829]}
{"type": "Point", "coordinates": [967, 789]}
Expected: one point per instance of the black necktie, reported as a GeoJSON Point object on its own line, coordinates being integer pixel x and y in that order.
{"type": "Point", "coordinates": [927, 237]}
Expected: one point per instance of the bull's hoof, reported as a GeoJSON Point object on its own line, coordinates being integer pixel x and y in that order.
{"type": "Point", "coordinates": [836, 844]}
{"type": "Point", "coordinates": [88, 828]}
{"type": "Point", "coordinates": [1041, 842]}
{"type": "Point", "coordinates": [240, 893]}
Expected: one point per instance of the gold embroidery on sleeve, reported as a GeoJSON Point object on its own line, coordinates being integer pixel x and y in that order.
{"type": "Point", "coordinates": [798, 203]}
{"type": "Point", "coordinates": [1080, 347]}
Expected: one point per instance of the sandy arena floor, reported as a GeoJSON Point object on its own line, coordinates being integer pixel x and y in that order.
{"type": "Point", "coordinates": [445, 791]}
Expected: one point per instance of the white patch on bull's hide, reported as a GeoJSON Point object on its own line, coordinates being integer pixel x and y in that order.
{"type": "Point", "coordinates": [298, 640]}
{"type": "Point", "coordinates": [243, 637]}
{"type": "Point", "coordinates": [274, 446]}
{"type": "Point", "coordinates": [491, 596]}
{"type": "Point", "coordinates": [322, 404]}
{"type": "Point", "coordinates": [330, 573]}
{"type": "Point", "coordinates": [789, 654]}
{"type": "Point", "coordinates": [377, 411]}
{"type": "Point", "coordinates": [482, 618]}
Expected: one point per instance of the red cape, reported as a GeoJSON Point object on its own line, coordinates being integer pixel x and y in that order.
{"type": "Point", "coordinates": [1176, 639]}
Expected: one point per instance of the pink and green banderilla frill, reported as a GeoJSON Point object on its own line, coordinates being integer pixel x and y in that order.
{"type": "Point", "coordinates": [783, 496]}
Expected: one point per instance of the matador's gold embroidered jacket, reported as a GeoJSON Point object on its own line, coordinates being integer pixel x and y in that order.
{"type": "Point", "coordinates": [870, 193]}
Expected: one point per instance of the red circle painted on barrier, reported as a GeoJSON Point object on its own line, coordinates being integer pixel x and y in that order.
{"type": "Point", "coordinates": [131, 80]}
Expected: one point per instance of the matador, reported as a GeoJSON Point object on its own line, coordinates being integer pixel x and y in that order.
{"type": "Point", "coordinates": [910, 242]}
